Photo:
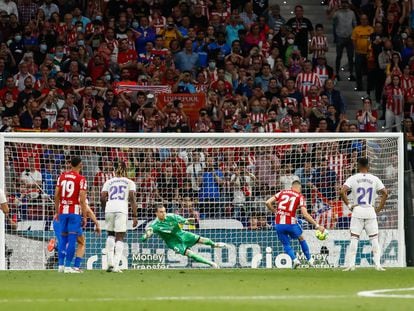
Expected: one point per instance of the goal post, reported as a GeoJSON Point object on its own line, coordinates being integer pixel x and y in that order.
{"type": "Point", "coordinates": [221, 180]}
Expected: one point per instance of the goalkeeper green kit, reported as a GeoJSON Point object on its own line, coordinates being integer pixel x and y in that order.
{"type": "Point", "coordinates": [170, 231]}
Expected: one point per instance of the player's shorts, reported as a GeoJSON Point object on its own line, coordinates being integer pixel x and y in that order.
{"type": "Point", "coordinates": [187, 240]}
{"type": "Point", "coordinates": [358, 224]}
{"type": "Point", "coordinates": [70, 223]}
{"type": "Point", "coordinates": [285, 231]}
{"type": "Point", "coordinates": [58, 230]}
{"type": "Point", "coordinates": [116, 222]}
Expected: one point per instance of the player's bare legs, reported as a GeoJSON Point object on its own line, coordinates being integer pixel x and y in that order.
{"type": "Point", "coordinates": [189, 253]}
{"type": "Point", "coordinates": [353, 246]}
{"type": "Point", "coordinates": [207, 241]}
{"type": "Point", "coordinates": [376, 251]}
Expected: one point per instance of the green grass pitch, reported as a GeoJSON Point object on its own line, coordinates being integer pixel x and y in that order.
{"type": "Point", "coordinates": [243, 289]}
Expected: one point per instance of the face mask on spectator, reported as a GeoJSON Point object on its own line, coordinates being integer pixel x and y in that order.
{"type": "Point", "coordinates": [59, 54]}
{"type": "Point", "coordinates": [98, 18]}
{"type": "Point", "coordinates": [81, 42]}
{"type": "Point", "coordinates": [79, 29]}
{"type": "Point", "coordinates": [43, 48]}
{"type": "Point", "coordinates": [108, 77]}
{"type": "Point", "coordinates": [18, 38]}
{"type": "Point", "coordinates": [135, 24]}
{"type": "Point", "coordinates": [212, 65]}
{"type": "Point", "coordinates": [291, 41]}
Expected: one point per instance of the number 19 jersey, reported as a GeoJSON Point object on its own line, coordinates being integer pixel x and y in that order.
{"type": "Point", "coordinates": [118, 189]}
{"type": "Point", "coordinates": [70, 184]}
{"type": "Point", "coordinates": [288, 201]}
{"type": "Point", "coordinates": [364, 188]}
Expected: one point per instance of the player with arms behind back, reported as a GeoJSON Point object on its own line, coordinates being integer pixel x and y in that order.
{"type": "Point", "coordinates": [70, 204]}
{"type": "Point", "coordinates": [364, 188]}
{"type": "Point", "coordinates": [116, 192]}
{"type": "Point", "coordinates": [168, 228]}
{"type": "Point", "coordinates": [286, 223]}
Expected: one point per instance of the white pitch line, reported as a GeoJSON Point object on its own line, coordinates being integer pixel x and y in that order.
{"type": "Point", "coordinates": [168, 298]}
{"type": "Point", "coordinates": [383, 293]}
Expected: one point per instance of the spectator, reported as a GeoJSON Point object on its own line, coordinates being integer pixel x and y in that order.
{"type": "Point", "coordinates": [409, 132]}
{"type": "Point", "coordinates": [187, 210]}
{"type": "Point", "coordinates": [209, 194]}
{"type": "Point", "coordinates": [394, 99]}
{"type": "Point", "coordinates": [187, 60]}
{"type": "Point", "coordinates": [167, 189]}
{"type": "Point", "coordinates": [275, 19]}
{"type": "Point", "coordinates": [367, 117]}
{"type": "Point", "coordinates": [344, 21]}
{"type": "Point", "coordinates": [301, 27]}
{"type": "Point", "coordinates": [360, 38]}
{"type": "Point", "coordinates": [324, 179]}
{"type": "Point", "coordinates": [334, 97]}
{"type": "Point", "coordinates": [31, 179]}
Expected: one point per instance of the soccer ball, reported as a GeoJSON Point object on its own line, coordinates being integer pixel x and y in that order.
{"type": "Point", "coordinates": [321, 235]}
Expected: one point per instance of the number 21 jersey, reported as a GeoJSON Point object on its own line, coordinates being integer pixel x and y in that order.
{"type": "Point", "coordinates": [288, 201]}
{"type": "Point", "coordinates": [364, 188]}
{"type": "Point", "coordinates": [118, 189]}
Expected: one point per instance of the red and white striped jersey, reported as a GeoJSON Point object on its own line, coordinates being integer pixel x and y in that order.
{"type": "Point", "coordinates": [338, 162]}
{"type": "Point", "coordinates": [304, 81]}
{"type": "Point", "coordinates": [310, 102]}
{"type": "Point", "coordinates": [101, 177]}
{"type": "Point", "coordinates": [334, 5]}
{"type": "Point", "coordinates": [320, 43]}
{"type": "Point", "coordinates": [290, 101]}
{"type": "Point", "coordinates": [407, 82]}
{"type": "Point", "coordinates": [395, 99]}
{"type": "Point", "coordinates": [88, 124]}
{"type": "Point", "coordinates": [70, 184]}
{"type": "Point", "coordinates": [272, 127]}
{"type": "Point", "coordinates": [322, 73]}
{"type": "Point", "coordinates": [288, 201]}
{"type": "Point", "coordinates": [258, 117]}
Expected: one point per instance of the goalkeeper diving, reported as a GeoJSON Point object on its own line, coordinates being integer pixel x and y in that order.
{"type": "Point", "coordinates": [169, 228]}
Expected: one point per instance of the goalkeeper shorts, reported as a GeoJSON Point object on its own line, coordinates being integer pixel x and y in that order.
{"type": "Point", "coordinates": [187, 240]}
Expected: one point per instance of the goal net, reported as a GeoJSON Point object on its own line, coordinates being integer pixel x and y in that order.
{"type": "Point", "coordinates": [220, 180]}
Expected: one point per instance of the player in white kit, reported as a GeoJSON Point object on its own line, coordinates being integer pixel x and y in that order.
{"type": "Point", "coordinates": [364, 189]}
{"type": "Point", "coordinates": [115, 195]}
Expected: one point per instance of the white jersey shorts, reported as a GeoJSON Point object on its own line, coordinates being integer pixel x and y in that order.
{"type": "Point", "coordinates": [369, 224]}
{"type": "Point", "coordinates": [116, 222]}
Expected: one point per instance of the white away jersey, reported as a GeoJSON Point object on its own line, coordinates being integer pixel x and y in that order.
{"type": "Point", "coordinates": [118, 189]}
{"type": "Point", "coordinates": [364, 188]}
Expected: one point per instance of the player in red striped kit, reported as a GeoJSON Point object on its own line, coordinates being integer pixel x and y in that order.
{"type": "Point", "coordinates": [286, 223]}
{"type": "Point", "coordinates": [70, 204]}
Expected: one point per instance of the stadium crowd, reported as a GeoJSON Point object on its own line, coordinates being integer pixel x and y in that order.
{"type": "Point", "coordinates": [230, 66]}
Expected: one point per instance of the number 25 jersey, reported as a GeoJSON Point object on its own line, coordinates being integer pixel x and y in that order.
{"type": "Point", "coordinates": [118, 189]}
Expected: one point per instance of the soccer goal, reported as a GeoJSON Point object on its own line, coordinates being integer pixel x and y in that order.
{"type": "Point", "coordinates": [222, 181]}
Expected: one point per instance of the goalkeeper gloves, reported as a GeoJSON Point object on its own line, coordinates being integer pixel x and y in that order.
{"type": "Point", "coordinates": [148, 233]}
